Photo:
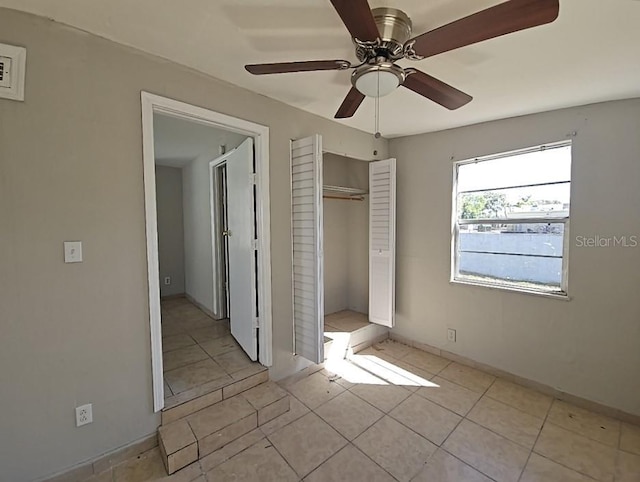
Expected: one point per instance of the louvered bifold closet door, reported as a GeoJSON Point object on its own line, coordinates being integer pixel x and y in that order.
{"type": "Point", "coordinates": [306, 227]}
{"type": "Point", "coordinates": [382, 241]}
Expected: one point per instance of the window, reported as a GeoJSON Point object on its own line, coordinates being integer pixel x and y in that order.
{"type": "Point", "coordinates": [511, 220]}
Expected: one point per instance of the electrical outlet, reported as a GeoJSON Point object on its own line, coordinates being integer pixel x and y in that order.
{"type": "Point", "coordinates": [167, 280]}
{"type": "Point", "coordinates": [84, 415]}
{"type": "Point", "coordinates": [451, 335]}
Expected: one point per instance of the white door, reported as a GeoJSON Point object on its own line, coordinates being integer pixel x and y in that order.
{"type": "Point", "coordinates": [306, 227]}
{"type": "Point", "coordinates": [382, 241]}
{"type": "Point", "coordinates": [242, 255]}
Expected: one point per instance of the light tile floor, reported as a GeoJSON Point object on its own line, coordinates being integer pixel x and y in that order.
{"type": "Point", "coordinates": [199, 353]}
{"type": "Point", "coordinates": [345, 321]}
{"type": "Point", "coordinates": [396, 413]}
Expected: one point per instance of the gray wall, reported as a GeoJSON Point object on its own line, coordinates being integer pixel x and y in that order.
{"type": "Point", "coordinates": [346, 238]}
{"type": "Point", "coordinates": [71, 169]}
{"type": "Point", "coordinates": [197, 225]}
{"type": "Point", "coordinates": [587, 346]}
{"type": "Point", "coordinates": [170, 229]}
{"type": "Point", "coordinates": [335, 236]}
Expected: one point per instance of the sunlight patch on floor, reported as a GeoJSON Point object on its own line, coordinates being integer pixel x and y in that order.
{"type": "Point", "coordinates": [367, 369]}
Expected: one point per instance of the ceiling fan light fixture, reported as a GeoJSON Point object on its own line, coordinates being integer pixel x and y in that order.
{"type": "Point", "coordinates": [378, 80]}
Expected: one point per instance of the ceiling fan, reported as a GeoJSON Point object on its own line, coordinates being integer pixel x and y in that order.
{"type": "Point", "coordinates": [382, 36]}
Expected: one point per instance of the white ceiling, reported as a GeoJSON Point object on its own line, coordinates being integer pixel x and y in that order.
{"type": "Point", "coordinates": [177, 142]}
{"type": "Point", "coordinates": [590, 54]}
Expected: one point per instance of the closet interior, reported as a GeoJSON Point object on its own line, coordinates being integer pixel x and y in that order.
{"type": "Point", "coordinates": [345, 194]}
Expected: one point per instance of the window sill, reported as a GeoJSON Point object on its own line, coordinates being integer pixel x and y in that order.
{"type": "Point", "coordinates": [556, 296]}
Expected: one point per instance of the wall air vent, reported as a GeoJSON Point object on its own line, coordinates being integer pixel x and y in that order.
{"type": "Point", "coordinates": [12, 70]}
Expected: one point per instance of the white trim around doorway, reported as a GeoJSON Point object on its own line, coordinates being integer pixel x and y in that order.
{"type": "Point", "coordinates": [151, 104]}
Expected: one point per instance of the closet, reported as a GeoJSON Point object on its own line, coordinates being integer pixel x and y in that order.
{"type": "Point", "coordinates": [343, 240]}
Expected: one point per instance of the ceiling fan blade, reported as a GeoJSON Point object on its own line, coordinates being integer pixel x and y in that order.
{"type": "Point", "coordinates": [357, 17]}
{"type": "Point", "coordinates": [435, 90]}
{"type": "Point", "coordinates": [287, 67]}
{"type": "Point", "coordinates": [350, 104]}
{"type": "Point", "coordinates": [507, 17]}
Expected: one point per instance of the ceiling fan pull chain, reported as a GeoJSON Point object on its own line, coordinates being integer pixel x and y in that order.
{"type": "Point", "coordinates": [377, 111]}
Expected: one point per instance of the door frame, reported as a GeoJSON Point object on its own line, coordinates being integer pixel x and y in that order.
{"type": "Point", "coordinates": [152, 104]}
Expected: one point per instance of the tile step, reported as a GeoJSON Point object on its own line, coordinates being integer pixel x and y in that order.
{"type": "Point", "coordinates": [191, 437]}
{"type": "Point", "coordinates": [212, 395]}
{"type": "Point", "coordinates": [341, 345]}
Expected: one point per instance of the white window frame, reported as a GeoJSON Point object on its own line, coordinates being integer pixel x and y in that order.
{"type": "Point", "coordinates": [456, 223]}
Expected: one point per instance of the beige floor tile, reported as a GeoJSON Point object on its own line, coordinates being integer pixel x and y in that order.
{"type": "Point", "coordinates": [336, 315]}
{"type": "Point", "coordinates": [349, 324]}
{"type": "Point", "coordinates": [198, 391]}
{"type": "Point", "coordinates": [591, 425]}
{"type": "Point", "coordinates": [176, 436]}
{"type": "Point", "coordinates": [391, 348]}
{"type": "Point", "coordinates": [383, 397]}
{"type": "Point", "coordinates": [491, 454]}
{"type": "Point", "coordinates": [349, 465]}
{"type": "Point", "coordinates": [219, 346]}
{"type": "Point", "coordinates": [259, 463]}
{"type": "Point", "coordinates": [248, 371]}
{"type": "Point", "coordinates": [234, 361]}
{"type": "Point", "coordinates": [315, 390]}
{"type": "Point", "coordinates": [170, 328]}
{"type": "Point", "coordinates": [296, 410]}
{"type": "Point", "coordinates": [529, 401]}
{"type": "Point", "coordinates": [541, 469]}
{"type": "Point", "coordinates": [218, 416]}
{"type": "Point", "coordinates": [199, 373]}
{"type": "Point", "coordinates": [450, 395]}
{"type": "Point", "coordinates": [395, 448]}
{"type": "Point", "coordinates": [426, 418]}
{"type": "Point", "coordinates": [176, 341]}
{"type": "Point", "coordinates": [223, 454]}
{"type": "Point", "coordinates": [376, 353]}
{"type": "Point", "coordinates": [417, 377]}
{"type": "Point", "coordinates": [444, 467]}
{"type": "Point", "coordinates": [576, 452]}
{"type": "Point", "coordinates": [147, 466]}
{"type": "Point", "coordinates": [627, 467]}
{"type": "Point", "coordinates": [468, 377]}
{"type": "Point", "coordinates": [307, 442]}
{"type": "Point", "coordinates": [349, 414]}
{"type": "Point", "coordinates": [426, 361]}
{"type": "Point", "coordinates": [106, 476]}
{"type": "Point", "coordinates": [330, 329]}
{"type": "Point", "coordinates": [347, 374]}
{"type": "Point", "coordinates": [395, 372]}
{"type": "Point", "coordinates": [210, 331]}
{"type": "Point", "coordinates": [167, 390]}
{"type": "Point", "coordinates": [507, 421]}
{"type": "Point", "coordinates": [264, 394]}
{"type": "Point", "coordinates": [182, 357]}
{"type": "Point", "coordinates": [630, 438]}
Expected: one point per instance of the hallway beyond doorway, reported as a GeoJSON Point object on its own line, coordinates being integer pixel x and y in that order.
{"type": "Point", "coordinates": [199, 353]}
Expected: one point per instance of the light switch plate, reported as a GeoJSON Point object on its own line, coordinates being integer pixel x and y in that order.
{"type": "Point", "coordinates": [73, 251]}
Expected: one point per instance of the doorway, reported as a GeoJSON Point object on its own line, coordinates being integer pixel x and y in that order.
{"type": "Point", "coordinates": [252, 330]}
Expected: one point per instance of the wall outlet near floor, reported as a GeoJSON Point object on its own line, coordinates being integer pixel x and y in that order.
{"type": "Point", "coordinates": [451, 335]}
{"type": "Point", "coordinates": [84, 415]}
{"type": "Point", "coordinates": [167, 280]}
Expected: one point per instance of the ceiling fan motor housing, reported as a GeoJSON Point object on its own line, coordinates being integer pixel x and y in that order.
{"type": "Point", "coordinates": [395, 29]}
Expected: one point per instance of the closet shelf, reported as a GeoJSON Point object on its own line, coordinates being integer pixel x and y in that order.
{"type": "Point", "coordinates": [343, 192]}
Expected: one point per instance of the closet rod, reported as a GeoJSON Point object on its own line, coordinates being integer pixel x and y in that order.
{"type": "Point", "coordinates": [355, 198]}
